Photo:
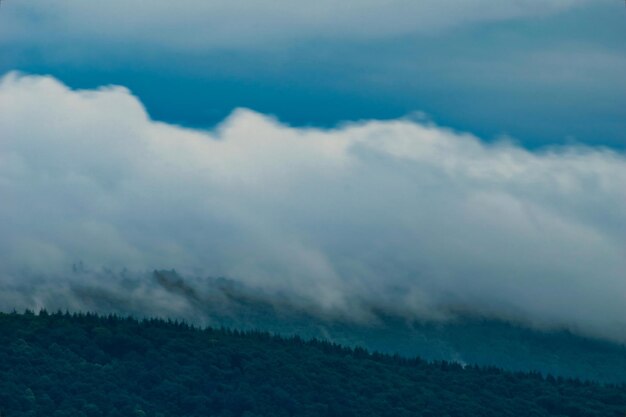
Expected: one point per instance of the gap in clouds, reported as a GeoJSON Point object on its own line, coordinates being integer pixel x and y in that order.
{"type": "Point", "coordinates": [399, 216]}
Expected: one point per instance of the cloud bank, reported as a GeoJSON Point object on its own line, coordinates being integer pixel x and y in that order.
{"type": "Point", "coordinates": [401, 216]}
{"type": "Point", "coordinates": [193, 24]}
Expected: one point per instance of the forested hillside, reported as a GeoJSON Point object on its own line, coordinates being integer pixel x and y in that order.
{"type": "Point", "coordinates": [85, 365]}
{"type": "Point", "coordinates": [466, 340]}
{"type": "Point", "coordinates": [221, 302]}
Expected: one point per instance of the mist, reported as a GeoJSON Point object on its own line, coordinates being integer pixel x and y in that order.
{"type": "Point", "coordinates": [403, 216]}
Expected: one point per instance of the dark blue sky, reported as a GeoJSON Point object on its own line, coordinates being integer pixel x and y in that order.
{"type": "Point", "coordinates": [542, 78]}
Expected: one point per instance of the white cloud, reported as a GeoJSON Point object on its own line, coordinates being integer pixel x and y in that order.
{"type": "Point", "coordinates": [413, 218]}
{"type": "Point", "coordinates": [194, 24]}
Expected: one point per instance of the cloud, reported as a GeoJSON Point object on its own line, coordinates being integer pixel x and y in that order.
{"type": "Point", "coordinates": [402, 216]}
{"type": "Point", "coordinates": [192, 24]}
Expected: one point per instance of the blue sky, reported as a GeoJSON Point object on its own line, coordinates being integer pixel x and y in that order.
{"type": "Point", "coordinates": [541, 72]}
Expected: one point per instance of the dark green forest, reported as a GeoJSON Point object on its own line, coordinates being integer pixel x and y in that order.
{"type": "Point", "coordinates": [87, 365]}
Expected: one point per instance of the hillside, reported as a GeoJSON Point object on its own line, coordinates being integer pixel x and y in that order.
{"type": "Point", "coordinates": [85, 365]}
{"type": "Point", "coordinates": [469, 340]}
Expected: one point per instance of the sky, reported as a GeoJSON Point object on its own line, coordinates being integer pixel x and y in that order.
{"type": "Point", "coordinates": [533, 70]}
{"type": "Point", "coordinates": [423, 158]}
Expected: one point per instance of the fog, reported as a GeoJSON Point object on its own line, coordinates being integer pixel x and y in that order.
{"type": "Point", "coordinates": [402, 216]}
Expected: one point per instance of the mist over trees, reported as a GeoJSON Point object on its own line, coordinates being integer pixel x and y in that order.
{"type": "Point", "coordinates": [218, 301]}
{"type": "Point", "coordinates": [278, 208]}
{"type": "Point", "coordinates": [401, 215]}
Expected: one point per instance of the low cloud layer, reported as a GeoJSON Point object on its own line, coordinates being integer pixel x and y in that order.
{"type": "Point", "coordinates": [193, 24]}
{"type": "Point", "coordinates": [400, 216]}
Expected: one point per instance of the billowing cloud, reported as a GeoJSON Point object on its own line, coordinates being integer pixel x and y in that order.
{"type": "Point", "coordinates": [403, 216]}
{"type": "Point", "coordinates": [193, 24]}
